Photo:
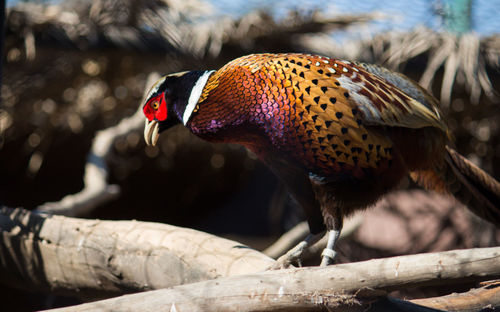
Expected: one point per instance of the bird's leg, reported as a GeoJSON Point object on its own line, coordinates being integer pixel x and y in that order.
{"type": "Point", "coordinates": [329, 253]}
{"type": "Point", "coordinates": [334, 223]}
{"type": "Point", "coordinates": [296, 252]}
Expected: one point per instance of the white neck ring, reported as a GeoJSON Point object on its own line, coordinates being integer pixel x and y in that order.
{"type": "Point", "coordinates": [194, 97]}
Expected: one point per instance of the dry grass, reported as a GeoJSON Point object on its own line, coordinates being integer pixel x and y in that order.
{"type": "Point", "coordinates": [463, 58]}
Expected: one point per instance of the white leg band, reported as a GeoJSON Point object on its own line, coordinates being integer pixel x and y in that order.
{"type": "Point", "coordinates": [330, 253]}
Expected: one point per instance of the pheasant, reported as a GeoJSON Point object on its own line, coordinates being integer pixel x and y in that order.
{"type": "Point", "coordinates": [339, 134]}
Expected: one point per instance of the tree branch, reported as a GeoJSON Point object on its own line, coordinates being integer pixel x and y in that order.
{"type": "Point", "coordinates": [352, 285]}
{"type": "Point", "coordinates": [98, 259]}
{"type": "Point", "coordinates": [96, 190]}
{"type": "Point", "coordinates": [473, 300]}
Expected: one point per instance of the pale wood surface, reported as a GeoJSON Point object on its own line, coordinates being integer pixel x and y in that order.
{"type": "Point", "coordinates": [98, 259]}
{"type": "Point", "coordinates": [336, 287]}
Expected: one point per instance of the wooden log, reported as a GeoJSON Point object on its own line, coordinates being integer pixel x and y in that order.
{"type": "Point", "coordinates": [338, 287]}
{"type": "Point", "coordinates": [99, 259]}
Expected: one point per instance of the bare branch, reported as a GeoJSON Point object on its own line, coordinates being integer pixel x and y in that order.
{"type": "Point", "coordinates": [99, 259]}
{"type": "Point", "coordinates": [473, 300]}
{"type": "Point", "coordinates": [96, 190]}
{"type": "Point", "coordinates": [335, 287]}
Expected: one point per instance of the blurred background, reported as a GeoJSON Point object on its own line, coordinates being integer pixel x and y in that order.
{"type": "Point", "coordinates": [71, 68]}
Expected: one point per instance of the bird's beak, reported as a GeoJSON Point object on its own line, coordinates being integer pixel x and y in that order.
{"type": "Point", "coordinates": [151, 132]}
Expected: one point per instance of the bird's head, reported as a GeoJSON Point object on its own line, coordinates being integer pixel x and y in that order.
{"type": "Point", "coordinates": [171, 101]}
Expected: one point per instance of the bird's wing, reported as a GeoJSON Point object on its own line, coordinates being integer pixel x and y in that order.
{"type": "Point", "coordinates": [341, 102]}
{"type": "Point", "coordinates": [389, 99]}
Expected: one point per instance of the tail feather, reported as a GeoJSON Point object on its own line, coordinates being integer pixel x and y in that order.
{"type": "Point", "coordinates": [484, 191]}
{"type": "Point", "coordinates": [467, 182]}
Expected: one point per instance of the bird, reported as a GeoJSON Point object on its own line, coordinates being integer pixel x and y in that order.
{"type": "Point", "coordinates": [338, 134]}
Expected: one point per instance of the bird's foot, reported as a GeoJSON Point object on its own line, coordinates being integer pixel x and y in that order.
{"type": "Point", "coordinates": [293, 255]}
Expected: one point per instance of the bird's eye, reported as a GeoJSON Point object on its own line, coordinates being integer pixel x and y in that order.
{"type": "Point", "coordinates": [155, 105]}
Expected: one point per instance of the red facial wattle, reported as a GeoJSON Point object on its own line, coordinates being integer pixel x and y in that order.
{"type": "Point", "coordinates": [156, 108]}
